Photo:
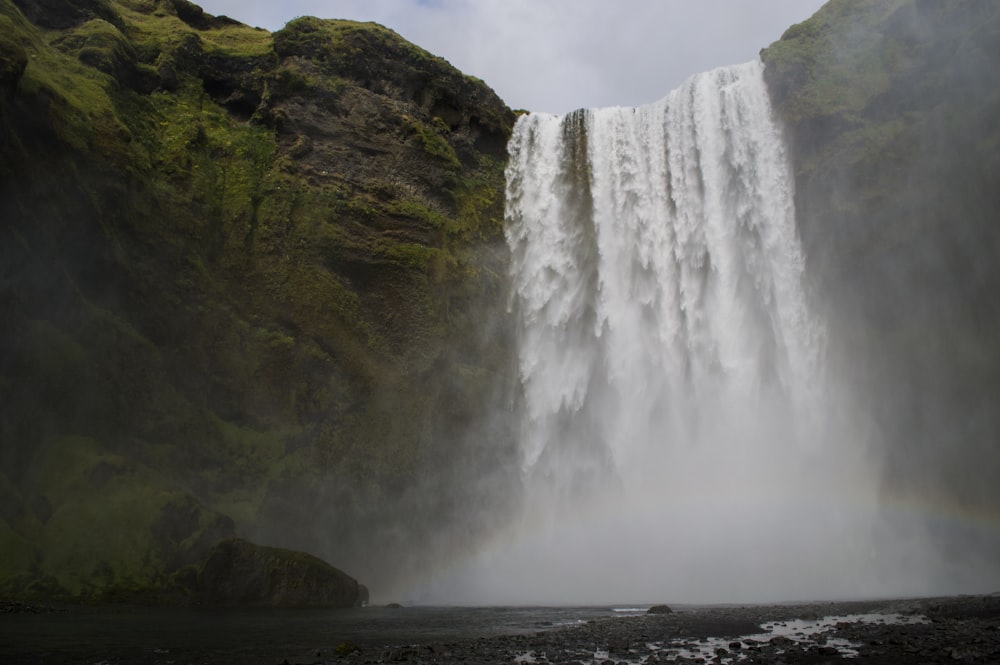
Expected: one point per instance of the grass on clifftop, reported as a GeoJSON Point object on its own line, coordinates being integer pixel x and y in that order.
{"type": "Point", "coordinates": [339, 42]}
{"type": "Point", "coordinates": [154, 26]}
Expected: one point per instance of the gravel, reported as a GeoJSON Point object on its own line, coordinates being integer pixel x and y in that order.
{"type": "Point", "coordinates": [963, 629]}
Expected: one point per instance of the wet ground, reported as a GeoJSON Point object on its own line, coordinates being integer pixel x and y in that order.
{"type": "Point", "coordinates": [952, 630]}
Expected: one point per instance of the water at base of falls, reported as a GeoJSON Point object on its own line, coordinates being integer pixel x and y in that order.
{"type": "Point", "coordinates": [681, 437]}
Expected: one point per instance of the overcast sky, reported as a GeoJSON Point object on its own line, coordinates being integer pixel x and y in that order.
{"type": "Point", "coordinates": [559, 55]}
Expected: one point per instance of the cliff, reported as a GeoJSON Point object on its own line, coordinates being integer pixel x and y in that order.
{"type": "Point", "coordinates": [891, 109]}
{"type": "Point", "coordinates": [252, 285]}
{"type": "Point", "coordinates": [243, 278]}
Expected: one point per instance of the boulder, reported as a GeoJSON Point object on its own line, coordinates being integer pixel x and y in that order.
{"type": "Point", "coordinates": [659, 609]}
{"type": "Point", "coordinates": [238, 572]}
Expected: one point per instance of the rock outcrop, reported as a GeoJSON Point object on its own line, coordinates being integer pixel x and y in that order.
{"type": "Point", "coordinates": [237, 572]}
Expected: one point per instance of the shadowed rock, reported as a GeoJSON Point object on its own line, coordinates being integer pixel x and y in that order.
{"type": "Point", "coordinates": [659, 609]}
{"type": "Point", "coordinates": [238, 572]}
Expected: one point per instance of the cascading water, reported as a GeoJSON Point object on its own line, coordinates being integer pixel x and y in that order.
{"type": "Point", "coordinates": [681, 438]}
{"type": "Point", "coordinates": [672, 368]}
{"type": "Point", "coordinates": [658, 277]}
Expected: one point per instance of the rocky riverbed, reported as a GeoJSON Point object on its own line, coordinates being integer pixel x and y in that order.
{"type": "Point", "coordinates": [927, 631]}
{"type": "Point", "coordinates": [964, 629]}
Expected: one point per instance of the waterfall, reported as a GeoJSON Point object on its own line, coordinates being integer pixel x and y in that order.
{"type": "Point", "coordinates": [674, 392]}
{"type": "Point", "coordinates": [682, 437]}
{"type": "Point", "coordinates": [658, 276]}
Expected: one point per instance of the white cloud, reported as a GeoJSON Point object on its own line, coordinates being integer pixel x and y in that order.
{"type": "Point", "coordinates": [557, 55]}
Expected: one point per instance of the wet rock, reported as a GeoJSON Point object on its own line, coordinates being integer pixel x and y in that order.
{"type": "Point", "coordinates": [659, 609]}
{"type": "Point", "coordinates": [238, 572]}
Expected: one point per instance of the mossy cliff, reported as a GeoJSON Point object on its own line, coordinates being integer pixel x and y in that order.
{"type": "Point", "coordinates": [243, 282]}
{"type": "Point", "coordinates": [891, 108]}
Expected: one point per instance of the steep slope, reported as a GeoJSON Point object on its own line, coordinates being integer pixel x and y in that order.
{"type": "Point", "coordinates": [891, 107]}
{"type": "Point", "coordinates": [242, 280]}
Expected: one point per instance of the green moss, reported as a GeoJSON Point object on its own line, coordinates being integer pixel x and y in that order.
{"type": "Point", "coordinates": [99, 44]}
{"type": "Point", "coordinates": [255, 458]}
{"type": "Point", "coordinates": [96, 514]}
{"type": "Point", "coordinates": [335, 43]}
{"type": "Point", "coordinates": [152, 30]}
{"type": "Point", "coordinates": [434, 143]}
{"type": "Point", "coordinates": [833, 73]}
{"type": "Point", "coordinates": [195, 314]}
{"type": "Point", "coordinates": [275, 340]}
{"type": "Point", "coordinates": [225, 167]}
{"type": "Point", "coordinates": [13, 56]}
{"type": "Point", "coordinates": [292, 80]}
{"type": "Point", "coordinates": [419, 212]}
{"type": "Point", "coordinates": [80, 108]}
{"type": "Point", "coordinates": [409, 255]}
{"type": "Point", "coordinates": [884, 101]}
{"type": "Point", "coordinates": [479, 200]}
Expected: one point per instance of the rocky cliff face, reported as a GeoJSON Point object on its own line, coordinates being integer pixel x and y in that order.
{"type": "Point", "coordinates": [243, 278]}
{"type": "Point", "coordinates": [891, 107]}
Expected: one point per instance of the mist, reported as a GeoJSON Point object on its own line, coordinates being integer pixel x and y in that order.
{"type": "Point", "coordinates": [734, 381]}
{"type": "Point", "coordinates": [688, 432]}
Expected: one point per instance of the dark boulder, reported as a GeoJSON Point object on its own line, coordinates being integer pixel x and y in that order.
{"type": "Point", "coordinates": [238, 572]}
{"type": "Point", "coordinates": [659, 609]}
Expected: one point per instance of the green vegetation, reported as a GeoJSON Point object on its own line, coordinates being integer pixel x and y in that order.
{"type": "Point", "coordinates": [232, 260]}
{"type": "Point", "coordinates": [891, 107]}
{"type": "Point", "coordinates": [156, 27]}
{"type": "Point", "coordinates": [434, 143]}
{"type": "Point", "coordinates": [419, 212]}
{"type": "Point", "coordinates": [480, 202]}
{"type": "Point", "coordinates": [339, 44]}
{"type": "Point", "coordinates": [836, 73]}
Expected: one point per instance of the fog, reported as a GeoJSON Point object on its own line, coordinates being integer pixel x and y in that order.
{"type": "Point", "coordinates": [688, 433]}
